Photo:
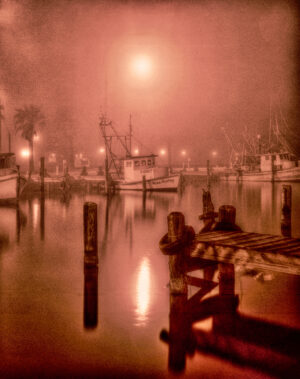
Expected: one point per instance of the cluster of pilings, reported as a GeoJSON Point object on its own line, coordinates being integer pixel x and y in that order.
{"type": "Point", "coordinates": [235, 337]}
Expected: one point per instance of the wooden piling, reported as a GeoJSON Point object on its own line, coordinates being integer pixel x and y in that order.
{"type": "Point", "coordinates": [90, 233]}
{"type": "Point", "coordinates": [90, 312]}
{"type": "Point", "coordinates": [208, 174]}
{"type": "Point", "coordinates": [18, 182]}
{"type": "Point", "coordinates": [286, 210]}
{"type": "Point", "coordinates": [42, 174]}
{"type": "Point", "coordinates": [227, 214]}
{"type": "Point", "coordinates": [224, 320]}
{"type": "Point", "coordinates": [176, 228]}
{"type": "Point", "coordinates": [144, 183]}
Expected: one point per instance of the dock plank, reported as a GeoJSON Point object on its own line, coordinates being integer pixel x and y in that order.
{"type": "Point", "coordinates": [263, 250]}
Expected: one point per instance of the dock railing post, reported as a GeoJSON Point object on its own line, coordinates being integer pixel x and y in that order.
{"type": "Point", "coordinates": [90, 233]}
{"type": "Point", "coordinates": [286, 210]}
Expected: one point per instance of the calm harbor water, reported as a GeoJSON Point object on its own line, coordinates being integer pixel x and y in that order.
{"type": "Point", "coordinates": [58, 319]}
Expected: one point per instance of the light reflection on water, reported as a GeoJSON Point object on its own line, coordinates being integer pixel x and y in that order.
{"type": "Point", "coordinates": [143, 287]}
{"type": "Point", "coordinates": [42, 279]}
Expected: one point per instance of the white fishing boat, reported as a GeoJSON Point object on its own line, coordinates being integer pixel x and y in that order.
{"type": "Point", "coordinates": [11, 182]}
{"type": "Point", "coordinates": [264, 158]}
{"type": "Point", "coordinates": [133, 172]}
{"type": "Point", "coordinates": [141, 174]}
{"type": "Point", "coordinates": [277, 167]}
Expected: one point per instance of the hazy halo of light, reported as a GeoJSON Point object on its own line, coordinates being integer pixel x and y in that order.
{"type": "Point", "coordinates": [143, 290]}
{"type": "Point", "coordinates": [142, 66]}
{"type": "Point", "coordinates": [25, 153]}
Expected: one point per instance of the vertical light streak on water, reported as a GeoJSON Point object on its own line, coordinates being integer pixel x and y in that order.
{"type": "Point", "coordinates": [35, 215]}
{"type": "Point", "coordinates": [143, 286]}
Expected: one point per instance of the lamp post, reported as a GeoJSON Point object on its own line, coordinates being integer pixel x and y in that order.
{"type": "Point", "coordinates": [25, 153]}
{"type": "Point", "coordinates": [214, 154]}
{"type": "Point", "coordinates": [183, 154]}
{"type": "Point", "coordinates": [102, 153]}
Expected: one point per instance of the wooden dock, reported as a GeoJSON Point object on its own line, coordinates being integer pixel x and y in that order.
{"type": "Point", "coordinates": [266, 251]}
{"type": "Point", "coordinates": [239, 338]}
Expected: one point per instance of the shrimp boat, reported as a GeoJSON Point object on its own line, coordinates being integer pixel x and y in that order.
{"type": "Point", "coordinates": [277, 167]}
{"type": "Point", "coordinates": [133, 172]}
{"type": "Point", "coordinates": [264, 159]}
{"type": "Point", "coordinates": [11, 182]}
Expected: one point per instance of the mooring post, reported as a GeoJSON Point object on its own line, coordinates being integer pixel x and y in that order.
{"type": "Point", "coordinates": [286, 210]}
{"type": "Point", "coordinates": [18, 182]}
{"type": "Point", "coordinates": [208, 174]}
{"type": "Point", "coordinates": [224, 320]}
{"type": "Point", "coordinates": [227, 214]}
{"type": "Point", "coordinates": [42, 174]}
{"type": "Point", "coordinates": [176, 227]}
{"type": "Point", "coordinates": [178, 295]}
{"type": "Point", "coordinates": [144, 183]}
{"type": "Point", "coordinates": [90, 233]}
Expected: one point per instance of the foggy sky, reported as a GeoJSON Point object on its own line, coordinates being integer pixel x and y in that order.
{"type": "Point", "coordinates": [216, 64]}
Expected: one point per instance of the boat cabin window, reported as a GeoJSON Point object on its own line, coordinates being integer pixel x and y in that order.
{"type": "Point", "coordinates": [149, 162]}
{"type": "Point", "coordinates": [136, 163]}
{"type": "Point", "coordinates": [128, 163]}
{"type": "Point", "coordinates": [143, 163]}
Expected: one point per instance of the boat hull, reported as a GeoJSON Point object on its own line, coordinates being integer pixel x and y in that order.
{"type": "Point", "coordinates": [287, 175]}
{"type": "Point", "coordinates": [8, 187]}
{"type": "Point", "coordinates": [167, 183]}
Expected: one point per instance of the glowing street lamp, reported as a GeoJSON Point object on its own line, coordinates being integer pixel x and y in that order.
{"type": "Point", "coordinates": [101, 150]}
{"type": "Point", "coordinates": [183, 154]}
{"type": "Point", "coordinates": [136, 151]}
{"type": "Point", "coordinates": [162, 152]}
{"type": "Point", "coordinates": [25, 153]}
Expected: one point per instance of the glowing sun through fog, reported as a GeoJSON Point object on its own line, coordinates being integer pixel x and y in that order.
{"type": "Point", "coordinates": [141, 66]}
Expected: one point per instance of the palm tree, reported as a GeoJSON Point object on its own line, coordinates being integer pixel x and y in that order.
{"type": "Point", "coordinates": [1, 119]}
{"type": "Point", "coordinates": [26, 121]}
